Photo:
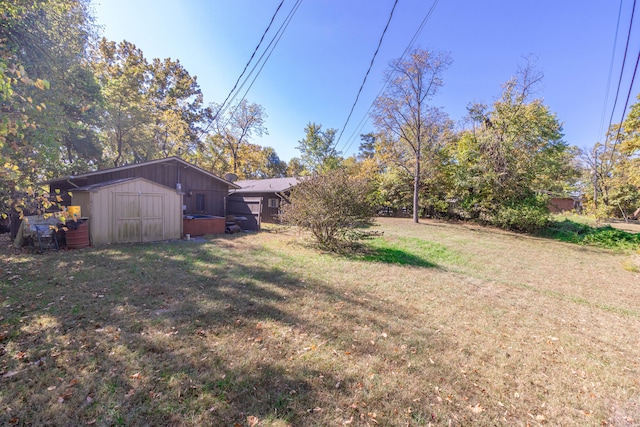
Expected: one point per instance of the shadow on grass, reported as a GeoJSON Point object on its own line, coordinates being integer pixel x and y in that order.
{"type": "Point", "coordinates": [178, 335]}
{"type": "Point", "coordinates": [409, 251]}
{"type": "Point", "coordinates": [605, 237]}
{"type": "Point", "coordinates": [395, 256]}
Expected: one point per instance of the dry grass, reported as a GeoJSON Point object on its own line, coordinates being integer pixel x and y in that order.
{"type": "Point", "coordinates": [445, 324]}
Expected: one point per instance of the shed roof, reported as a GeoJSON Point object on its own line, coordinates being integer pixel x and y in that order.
{"type": "Point", "coordinates": [171, 159]}
{"type": "Point", "coordinates": [270, 185]}
{"type": "Point", "coordinates": [96, 187]}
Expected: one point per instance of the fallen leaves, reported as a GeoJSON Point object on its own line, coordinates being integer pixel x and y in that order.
{"type": "Point", "coordinates": [476, 409]}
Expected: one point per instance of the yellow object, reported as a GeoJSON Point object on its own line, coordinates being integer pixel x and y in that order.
{"type": "Point", "coordinates": [74, 212]}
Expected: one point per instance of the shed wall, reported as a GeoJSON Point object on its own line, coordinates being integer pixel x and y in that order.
{"type": "Point", "coordinates": [191, 183]}
{"type": "Point", "coordinates": [133, 211]}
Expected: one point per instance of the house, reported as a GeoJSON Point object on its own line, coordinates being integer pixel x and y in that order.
{"type": "Point", "coordinates": [261, 197]}
{"type": "Point", "coordinates": [201, 193]}
{"type": "Point", "coordinates": [560, 204]}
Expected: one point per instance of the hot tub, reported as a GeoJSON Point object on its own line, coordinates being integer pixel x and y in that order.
{"type": "Point", "coordinates": [199, 225]}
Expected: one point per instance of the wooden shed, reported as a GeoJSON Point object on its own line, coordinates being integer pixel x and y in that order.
{"type": "Point", "coordinates": [130, 210]}
{"type": "Point", "coordinates": [202, 192]}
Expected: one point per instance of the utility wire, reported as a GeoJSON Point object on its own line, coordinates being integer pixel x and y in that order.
{"type": "Point", "coordinates": [244, 70]}
{"type": "Point", "coordinates": [367, 73]}
{"type": "Point", "coordinates": [624, 60]}
{"type": "Point", "coordinates": [624, 110]}
{"type": "Point", "coordinates": [360, 126]}
{"type": "Point", "coordinates": [626, 104]}
{"type": "Point", "coordinates": [613, 54]}
{"type": "Point", "coordinates": [276, 38]}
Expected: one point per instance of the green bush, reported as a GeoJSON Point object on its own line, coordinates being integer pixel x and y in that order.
{"type": "Point", "coordinates": [528, 215]}
{"type": "Point", "coordinates": [604, 237]}
{"type": "Point", "coordinates": [334, 207]}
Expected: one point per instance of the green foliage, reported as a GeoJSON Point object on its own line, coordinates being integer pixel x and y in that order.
{"type": "Point", "coordinates": [295, 167]}
{"type": "Point", "coordinates": [152, 109]}
{"type": "Point", "coordinates": [527, 215]}
{"type": "Point", "coordinates": [514, 150]}
{"type": "Point", "coordinates": [317, 149]}
{"type": "Point", "coordinates": [414, 131]}
{"type": "Point", "coordinates": [228, 147]}
{"type": "Point", "coordinates": [48, 96]}
{"type": "Point", "coordinates": [631, 127]}
{"type": "Point", "coordinates": [334, 207]}
{"type": "Point", "coordinates": [605, 237]}
{"type": "Point", "coordinates": [625, 199]}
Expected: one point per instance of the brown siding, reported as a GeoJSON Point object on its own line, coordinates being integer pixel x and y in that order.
{"type": "Point", "coordinates": [267, 214]}
{"type": "Point", "coordinates": [561, 204]}
{"type": "Point", "coordinates": [191, 181]}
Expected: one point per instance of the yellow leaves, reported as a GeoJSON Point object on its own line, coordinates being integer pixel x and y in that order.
{"type": "Point", "coordinates": [41, 84]}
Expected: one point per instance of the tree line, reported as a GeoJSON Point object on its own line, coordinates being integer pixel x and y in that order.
{"type": "Point", "coordinates": [71, 102]}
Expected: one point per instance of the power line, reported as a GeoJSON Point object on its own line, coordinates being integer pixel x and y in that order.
{"type": "Point", "coordinates": [624, 60]}
{"type": "Point", "coordinates": [367, 73]}
{"type": "Point", "coordinates": [626, 104]}
{"type": "Point", "coordinates": [613, 54]}
{"type": "Point", "coordinates": [407, 49]}
{"type": "Point", "coordinates": [245, 68]}
{"type": "Point", "coordinates": [276, 38]}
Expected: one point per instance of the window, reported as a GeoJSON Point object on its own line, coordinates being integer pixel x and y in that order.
{"type": "Point", "coordinates": [200, 202]}
{"type": "Point", "coordinates": [274, 203]}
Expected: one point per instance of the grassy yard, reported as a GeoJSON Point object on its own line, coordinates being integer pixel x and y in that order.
{"type": "Point", "coordinates": [438, 324]}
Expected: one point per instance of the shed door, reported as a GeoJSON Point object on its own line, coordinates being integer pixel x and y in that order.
{"type": "Point", "coordinates": [152, 217]}
{"type": "Point", "coordinates": [127, 217]}
{"type": "Point", "coordinates": [139, 217]}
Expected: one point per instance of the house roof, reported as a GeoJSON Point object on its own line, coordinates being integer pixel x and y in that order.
{"type": "Point", "coordinates": [96, 187]}
{"type": "Point", "coordinates": [271, 185]}
{"type": "Point", "coordinates": [171, 159]}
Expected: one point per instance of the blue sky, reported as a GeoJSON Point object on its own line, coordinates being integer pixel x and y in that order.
{"type": "Point", "coordinates": [316, 69]}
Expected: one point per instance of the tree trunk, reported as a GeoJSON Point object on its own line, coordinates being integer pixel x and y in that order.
{"type": "Point", "coordinates": [416, 187]}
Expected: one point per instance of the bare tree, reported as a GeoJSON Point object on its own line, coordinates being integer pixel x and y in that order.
{"type": "Point", "coordinates": [243, 122]}
{"type": "Point", "coordinates": [402, 112]}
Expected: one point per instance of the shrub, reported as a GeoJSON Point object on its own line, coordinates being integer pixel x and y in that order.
{"type": "Point", "coordinates": [334, 207]}
{"type": "Point", "coordinates": [528, 215]}
{"type": "Point", "coordinates": [604, 237]}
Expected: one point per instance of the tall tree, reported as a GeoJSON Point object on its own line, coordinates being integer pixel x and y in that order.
{"type": "Point", "coordinates": [295, 167]}
{"type": "Point", "coordinates": [152, 109]}
{"type": "Point", "coordinates": [403, 113]}
{"type": "Point", "coordinates": [611, 179]}
{"type": "Point", "coordinates": [236, 128]}
{"type": "Point", "coordinates": [123, 73]}
{"type": "Point", "coordinates": [514, 150]}
{"type": "Point", "coordinates": [178, 111]}
{"type": "Point", "coordinates": [317, 149]}
{"type": "Point", "coordinates": [367, 149]}
{"type": "Point", "coordinates": [47, 94]}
